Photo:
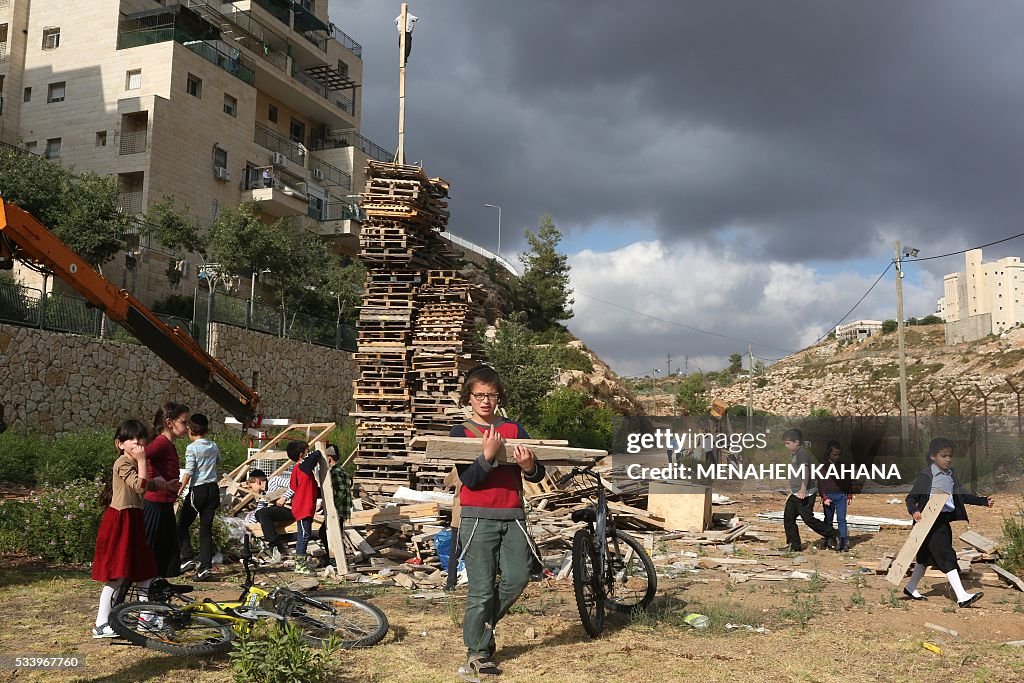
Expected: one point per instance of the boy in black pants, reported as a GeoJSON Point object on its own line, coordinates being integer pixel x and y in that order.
{"type": "Point", "coordinates": [202, 458]}
{"type": "Point", "coordinates": [801, 498]}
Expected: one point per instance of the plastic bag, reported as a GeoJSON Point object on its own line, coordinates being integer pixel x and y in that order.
{"type": "Point", "coordinates": [443, 548]}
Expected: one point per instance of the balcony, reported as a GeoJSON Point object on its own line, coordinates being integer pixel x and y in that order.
{"type": "Point", "coordinates": [279, 9]}
{"type": "Point", "coordinates": [346, 41]}
{"type": "Point", "coordinates": [187, 28]}
{"type": "Point", "coordinates": [329, 174]}
{"type": "Point", "coordinates": [246, 31]}
{"type": "Point", "coordinates": [278, 194]}
{"type": "Point", "coordinates": [133, 143]}
{"type": "Point", "coordinates": [351, 138]}
{"type": "Point", "coordinates": [333, 96]}
{"type": "Point", "coordinates": [130, 203]}
{"type": "Point", "coordinates": [268, 139]}
{"type": "Point", "coordinates": [3, 52]}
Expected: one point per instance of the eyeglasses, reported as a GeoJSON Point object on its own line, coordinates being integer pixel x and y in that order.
{"type": "Point", "coordinates": [485, 397]}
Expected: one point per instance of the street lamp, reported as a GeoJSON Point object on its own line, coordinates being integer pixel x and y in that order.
{"type": "Point", "coordinates": [252, 292]}
{"type": "Point", "coordinates": [495, 206]}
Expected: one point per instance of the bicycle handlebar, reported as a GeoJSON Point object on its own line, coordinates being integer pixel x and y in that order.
{"type": "Point", "coordinates": [576, 471]}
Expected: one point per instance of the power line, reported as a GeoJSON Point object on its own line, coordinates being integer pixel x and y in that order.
{"type": "Point", "coordinates": [964, 251]}
{"type": "Point", "coordinates": [854, 307]}
{"type": "Point", "coordinates": [683, 325]}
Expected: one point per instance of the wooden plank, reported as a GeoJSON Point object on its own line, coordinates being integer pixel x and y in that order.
{"type": "Point", "coordinates": [978, 541]}
{"type": "Point", "coordinates": [423, 440]}
{"type": "Point", "coordinates": [941, 629]}
{"type": "Point", "coordinates": [1008, 577]}
{"type": "Point", "coordinates": [908, 552]}
{"type": "Point", "coordinates": [394, 514]}
{"type": "Point", "coordinates": [334, 538]}
{"type": "Point", "coordinates": [468, 450]}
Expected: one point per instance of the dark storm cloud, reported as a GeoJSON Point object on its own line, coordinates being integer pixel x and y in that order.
{"type": "Point", "coordinates": [813, 123]}
{"type": "Point", "coordinates": [741, 140]}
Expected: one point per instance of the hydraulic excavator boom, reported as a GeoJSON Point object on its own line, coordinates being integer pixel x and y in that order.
{"type": "Point", "coordinates": [24, 238]}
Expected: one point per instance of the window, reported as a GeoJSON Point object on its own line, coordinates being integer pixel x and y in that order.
{"type": "Point", "coordinates": [220, 157]}
{"type": "Point", "coordinates": [101, 138]}
{"type": "Point", "coordinates": [194, 86]}
{"type": "Point", "coordinates": [133, 79]}
{"type": "Point", "coordinates": [3, 33]}
{"type": "Point", "coordinates": [55, 92]}
{"type": "Point", "coordinates": [53, 148]}
{"type": "Point", "coordinates": [343, 68]}
{"type": "Point", "coordinates": [28, 95]}
{"type": "Point", "coordinates": [297, 131]}
{"type": "Point", "coordinates": [51, 38]}
{"type": "Point", "coordinates": [230, 105]}
{"type": "Point", "coordinates": [272, 114]}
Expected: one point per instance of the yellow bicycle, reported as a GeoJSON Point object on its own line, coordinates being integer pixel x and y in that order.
{"type": "Point", "coordinates": [204, 627]}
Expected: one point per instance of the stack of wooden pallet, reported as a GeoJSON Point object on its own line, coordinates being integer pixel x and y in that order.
{"type": "Point", "coordinates": [409, 266]}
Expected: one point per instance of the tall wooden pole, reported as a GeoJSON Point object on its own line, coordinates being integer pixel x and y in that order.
{"type": "Point", "coordinates": [904, 411]}
{"type": "Point", "coordinates": [402, 37]}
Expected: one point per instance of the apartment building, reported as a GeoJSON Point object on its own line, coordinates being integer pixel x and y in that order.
{"type": "Point", "coordinates": [213, 103]}
{"type": "Point", "coordinates": [985, 298]}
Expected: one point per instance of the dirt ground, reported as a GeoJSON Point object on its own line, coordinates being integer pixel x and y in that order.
{"type": "Point", "coordinates": [838, 626]}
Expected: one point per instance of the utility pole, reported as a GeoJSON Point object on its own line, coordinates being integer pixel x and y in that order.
{"type": "Point", "coordinates": [750, 388]}
{"type": "Point", "coordinates": [402, 37]}
{"type": "Point", "coordinates": [904, 412]}
{"type": "Point", "coordinates": [668, 364]}
{"type": "Point", "coordinates": [686, 361]}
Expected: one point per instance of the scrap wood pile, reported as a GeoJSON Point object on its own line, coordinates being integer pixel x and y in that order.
{"type": "Point", "coordinates": [416, 333]}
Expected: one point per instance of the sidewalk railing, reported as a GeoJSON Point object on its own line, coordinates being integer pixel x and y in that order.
{"type": "Point", "coordinates": [483, 251]}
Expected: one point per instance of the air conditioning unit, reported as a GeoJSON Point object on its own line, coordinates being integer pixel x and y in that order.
{"type": "Point", "coordinates": [221, 173]}
{"type": "Point", "coordinates": [182, 267]}
{"type": "Point", "coordinates": [278, 159]}
{"type": "Point", "coordinates": [317, 174]}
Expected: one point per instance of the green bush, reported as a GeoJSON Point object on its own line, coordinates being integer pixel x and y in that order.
{"type": "Point", "coordinates": [82, 455]}
{"type": "Point", "coordinates": [1013, 548]}
{"type": "Point", "coordinates": [569, 358]}
{"type": "Point", "coordinates": [178, 305]}
{"type": "Point", "coordinates": [56, 523]}
{"type": "Point", "coordinates": [569, 414]}
{"type": "Point", "coordinates": [20, 452]}
{"type": "Point", "coordinates": [272, 654]}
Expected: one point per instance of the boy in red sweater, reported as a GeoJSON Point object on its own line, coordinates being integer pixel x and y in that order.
{"type": "Point", "coordinates": [492, 530]}
{"type": "Point", "coordinates": [303, 484]}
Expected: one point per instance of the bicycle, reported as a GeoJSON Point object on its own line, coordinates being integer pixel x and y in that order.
{"type": "Point", "coordinates": [609, 567]}
{"type": "Point", "coordinates": [207, 627]}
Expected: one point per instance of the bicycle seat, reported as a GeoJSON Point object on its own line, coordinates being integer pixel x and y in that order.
{"type": "Point", "coordinates": [587, 514]}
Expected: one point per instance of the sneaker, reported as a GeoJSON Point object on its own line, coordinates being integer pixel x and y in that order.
{"type": "Point", "coordinates": [204, 574]}
{"type": "Point", "coordinates": [103, 631]}
{"type": "Point", "coordinates": [476, 667]}
{"type": "Point", "coordinates": [150, 622]}
{"type": "Point", "coordinates": [188, 565]}
{"type": "Point", "coordinates": [302, 568]}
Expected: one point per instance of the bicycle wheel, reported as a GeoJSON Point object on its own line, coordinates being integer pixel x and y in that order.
{"type": "Point", "coordinates": [586, 583]}
{"type": "Point", "coordinates": [170, 629]}
{"type": "Point", "coordinates": [632, 580]}
{"type": "Point", "coordinates": [356, 623]}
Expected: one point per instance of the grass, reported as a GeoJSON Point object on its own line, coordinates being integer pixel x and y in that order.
{"type": "Point", "coordinates": [802, 610]}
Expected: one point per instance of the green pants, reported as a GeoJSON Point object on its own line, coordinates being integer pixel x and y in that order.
{"type": "Point", "coordinates": [490, 545]}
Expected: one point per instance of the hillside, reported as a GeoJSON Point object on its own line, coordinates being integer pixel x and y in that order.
{"type": "Point", "coordinates": [862, 378]}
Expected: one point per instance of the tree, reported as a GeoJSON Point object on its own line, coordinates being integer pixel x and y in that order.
{"type": "Point", "coordinates": [524, 368]}
{"type": "Point", "coordinates": [81, 210]}
{"type": "Point", "coordinates": [736, 363]}
{"type": "Point", "coordinates": [572, 415]}
{"type": "Point", "coordinates": [241, 243]}
{"type": "Point", "coordinates": [343, 284]}
{"type": "Point", "coordinates": [889, 326]}
{"type": "Point", "coordinates": [177, 230]}
{"type": "Point", "coordinates": [691, 396]}
{"type": "Point", "coordinates": [930, 320]}
{"type": "Point", "coordinates": [543, 291]}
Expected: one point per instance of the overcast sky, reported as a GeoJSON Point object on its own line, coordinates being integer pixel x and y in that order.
{"type": "Point", "coordinates": [738, 167]}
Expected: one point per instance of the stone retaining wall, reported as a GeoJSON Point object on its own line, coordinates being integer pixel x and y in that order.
{"type": "Point", "coordinates": [59, 383]}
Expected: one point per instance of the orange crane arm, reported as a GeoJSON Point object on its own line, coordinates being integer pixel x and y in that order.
{"type": "Point", "coordinates": [23, 237]}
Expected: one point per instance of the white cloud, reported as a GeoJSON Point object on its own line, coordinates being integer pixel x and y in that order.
{"type": "Point", "coordinates": [773, 304]}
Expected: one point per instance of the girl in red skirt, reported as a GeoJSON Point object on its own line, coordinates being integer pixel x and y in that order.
{"type": "Point", "coordinates": [121, 550]}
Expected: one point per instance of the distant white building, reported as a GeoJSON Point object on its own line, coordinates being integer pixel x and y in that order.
{"type": "Point", "coordinates": [858, 330]}
{"type": "Point", "coordinates": [983, 299]}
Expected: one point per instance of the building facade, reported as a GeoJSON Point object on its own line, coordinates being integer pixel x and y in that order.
{"type": "Point", "coordinates": [858, 330]}
{"type": "Point", "coordinates": [211, 103]}
{"type": "Point", "coordinates": [992, 290]}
